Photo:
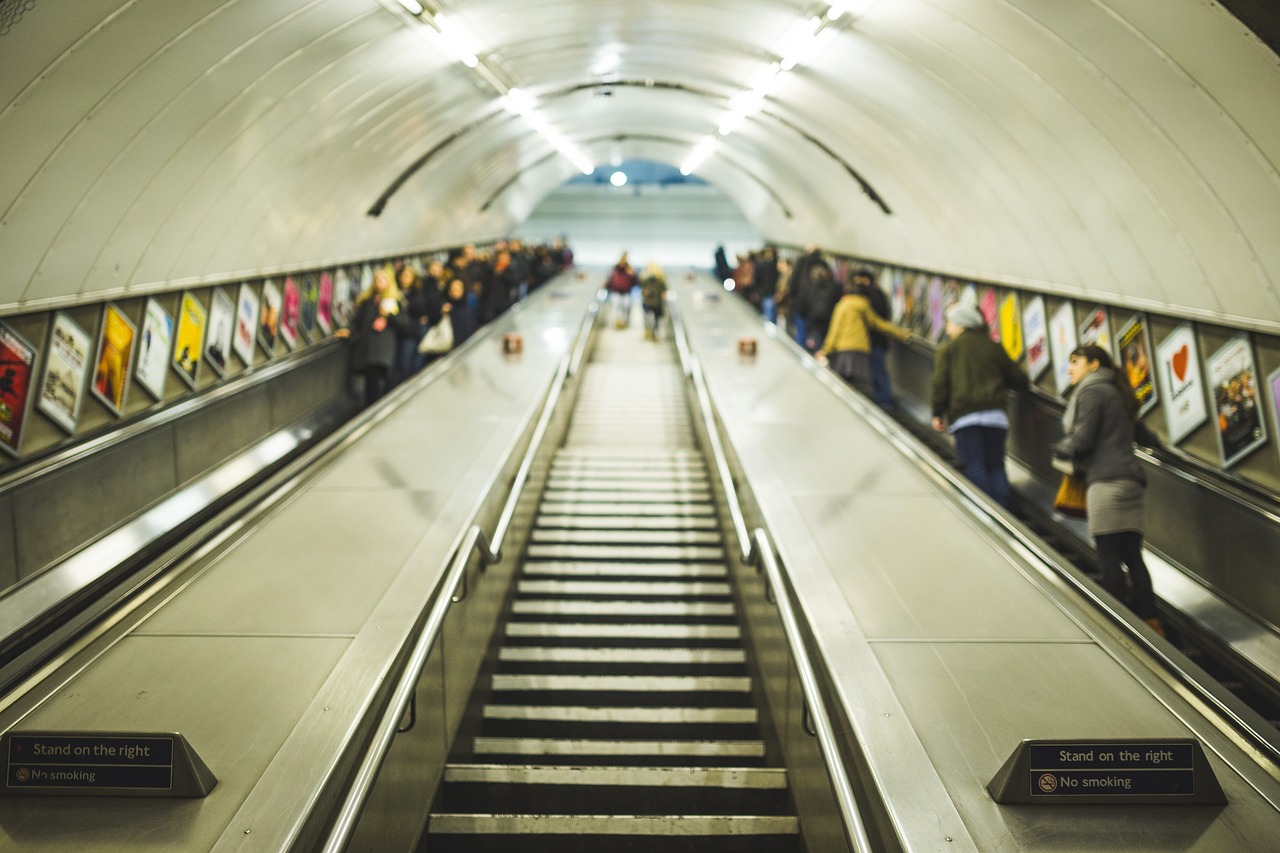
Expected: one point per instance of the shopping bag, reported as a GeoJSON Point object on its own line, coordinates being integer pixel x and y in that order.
{"type": "Point", "coordinates": [1070, 499]}
{"type": "Point", "coordinates": [438, 338]}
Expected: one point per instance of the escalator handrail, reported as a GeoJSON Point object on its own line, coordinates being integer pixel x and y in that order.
{"type": "Point", "coordinates": [756, 549]}
{"type": "Point", "coordinates": [384, 733]}
{"type": "Point", "coordinates": [767, 562]}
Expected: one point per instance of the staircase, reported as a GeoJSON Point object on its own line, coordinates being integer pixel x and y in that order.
{"type": "Point", "coordinates": [621, 716]}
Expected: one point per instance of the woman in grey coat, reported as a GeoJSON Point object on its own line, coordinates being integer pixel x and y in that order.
{"type": "Point", "coordinates": [1098, 434]}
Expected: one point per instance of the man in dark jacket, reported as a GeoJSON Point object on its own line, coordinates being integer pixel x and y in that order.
{"type": "Point", "coordinates": [971, 375]}
{"type": "Point", "coordinates": [865, 284]}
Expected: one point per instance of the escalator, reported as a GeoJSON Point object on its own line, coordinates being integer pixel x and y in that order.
{"type": "Point", "coordinates": [621, 713]}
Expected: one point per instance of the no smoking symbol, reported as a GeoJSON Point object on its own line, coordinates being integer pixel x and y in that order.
{"type": "Point", "coordinates": [1048, 783]}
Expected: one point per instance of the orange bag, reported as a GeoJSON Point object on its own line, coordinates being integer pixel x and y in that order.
{"type": "Point", "coordinates": [1070, 499]}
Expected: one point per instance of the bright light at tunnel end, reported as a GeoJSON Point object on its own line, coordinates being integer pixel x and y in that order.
{"type": "Point", "coordinates": [618, 178]}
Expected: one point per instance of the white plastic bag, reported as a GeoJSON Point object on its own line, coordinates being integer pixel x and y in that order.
{"type": "Point", "coordinates": [438, 338]}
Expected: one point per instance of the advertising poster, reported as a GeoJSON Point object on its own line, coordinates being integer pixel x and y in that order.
{"type": "Point", "coordinates": [269, 318]}
{"type": "Point", "coordinates": [65, 364]}
{"type": "Point", "coordinates": [1096, 329]}
{"type": "Point", "coordinates": [217, 343]}
{"type": "Point", "coordinates": [17, 364]}
{"type": "Point", "coordinates": [1179, 365]}
{"type": "Point", "coordinates": [1062, 340]}
{"type": "Point", "coordinates": [917, 317]}
{"type": "Point", "coordinates": [1233, 381]}
{"type": "Point", "coordinates": [246, 323]}
{"type": "Point", "coordinates": [1011, 326]}
{"type": "Point", "coordinates": [115, 358]}
{"type": "Point", "coordinates": [324, 303]}
{"type": "Point", "coordinates": [309, 287]}
{"type": "Point", "coordinates": [188, 340]}
{"type": "Point", "coordinates": [987, 304]}
{"type": "Point", "coordinates": [1273, 382]}
{"type": "Point", "coordinates": [154, 348]}
{"type": "Point", "coordinates": [289, 313]}
{"type": "Point", "coordinates": [343, 284]}
{"type": "Point", "coordinates": [937, 316]}
{"type": "Point", "coordinates": [1035, 333]}
{"type": "Point", "coordinates": [1134, 358]}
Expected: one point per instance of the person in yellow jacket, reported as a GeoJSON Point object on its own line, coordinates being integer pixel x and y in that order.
{"type": "Point", "coordinates": [848, 343]}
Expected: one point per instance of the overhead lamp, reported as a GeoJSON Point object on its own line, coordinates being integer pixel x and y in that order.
{"type": "Point", "coordinates": [456, 41]}
{"type": "Point", "coordinates": [519, 102]}
{"type": "Point", "coordinates": [618, 178]}
{"type": "Point", "coordinates": [704, 149]}
{"type": "Point", "coordinates": [413, 6]}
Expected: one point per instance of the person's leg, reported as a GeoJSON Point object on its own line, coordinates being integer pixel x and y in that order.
{"type": "Point", "coordinates": [993, 456]}
{"type": "Point", "coordinates": [1110, 547]}
{"type": "Point", "coordinates": [1144, 601]}
{"type": "Point", "coordinates": [883, 393]}
{"type": "Point", "coordinates": [798, 325]}
{"type": "Point", "coordinates": [970, 454]}
{"type": "Point", "coordinates": [375, 384]}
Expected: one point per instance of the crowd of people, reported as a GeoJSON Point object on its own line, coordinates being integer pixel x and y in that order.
{"type": "Point", "coordinates": [847, 326]}
{"type": "Point", "coordinates": [395, 322]}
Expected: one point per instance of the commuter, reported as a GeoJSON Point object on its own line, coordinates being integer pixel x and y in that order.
{"type": "Point", "coordinates": [377, 323]}
{"type": "Point", "coordinates": [971, 374]}
{"type": "Point", "coordinates": [816, 304]}
{"type": "Point", "coordinates": [462, 306]}
{"type": "Point", "coordinates": [653, 296]}
{"type": "Point", "coordinates": [848, 341]}
{"type": "Point", "coordinates": [782, 297]}
{"type": "Point", "coordinates": [423, 302]}
{"type": "Point", "coordinates": [744, 279]}
{"type": "Point", "coordinates": [621, 279]}
{"type": "Point", "coordinates": [882, 391]}
{"type": "Point", "coordinates": [1099, 429]}
{"type": "Point", "coordinates": [801, 276]}
{"type": "Point", "coordinates": [766, 282]}
{"type": "Point", "coordinates": [723, 271]}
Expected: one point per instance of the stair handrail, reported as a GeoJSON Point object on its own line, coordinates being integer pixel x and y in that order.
{"type": "Point", "coordinates": [453, 590]}
{"type": "Point", "coordinates": [855, 829]}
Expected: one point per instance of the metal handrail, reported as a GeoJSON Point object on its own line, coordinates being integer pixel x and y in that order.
{"type": "Point", "coordinates": [756, 549]}
{"type": "Point", "coordinates": [855, 829]}
{"type": "Point", "coordinates": [454, 589]}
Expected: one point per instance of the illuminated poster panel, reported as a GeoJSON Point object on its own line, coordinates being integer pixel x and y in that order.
{"type": "Point", "coordinates": [188, 340]}
{"type": "Point", "coordinates": [1011, 326]}
{"type": "Point", "coordinates": [269, 318]}
{"type": "Point", "coordinates": [937, 316]}
{"type": "Point", "coordinates": [309, 289]}
{"type": "Point", "coordinates": [1133, 356]}
{"type": "Point", "coordinates": [1035, 331]}
{"type": "Point", "coordinates": [1178, 358]}
{"type": "Point", "coordinates": [1233, 381]}
{"type": "Point", "coordinates": [1062, 340]}
{"type": "Point", "coordinates": [343, 285]}
{"type": "Point", "coordinates": [1273, 382]}
{"type": "Point", "coordinates": [65, 365]}
{"type": "Point", "coordinates": [988, 304]}
{"type": "Point", "coordinates": [246, 323]}
{"type": "Point", "coordinates": [115, 358]}
{"type": "Point", "coordinates": [1096, 329]}
{"type": "Point", "coordinates": [217, 344]}
{"type": "Point", "coordinates": [324, 303]}
{"type": "Point", "coordinates": [17, 364]}
{"type": "Point", "coordinates": [154, 348]}
{"type": "Point", "coordinates": [289, 313]}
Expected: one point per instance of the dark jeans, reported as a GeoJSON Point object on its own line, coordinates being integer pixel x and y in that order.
{"type": "Point", "coordinates": [1126, 547]}
{"type": "Point", "coordinates": [981, 455]}
{"type": "Point", "coordinates": [375, 383]}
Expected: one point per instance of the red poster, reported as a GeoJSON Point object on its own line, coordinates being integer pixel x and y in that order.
{"type": "Point", "coordinates": [17, 361]}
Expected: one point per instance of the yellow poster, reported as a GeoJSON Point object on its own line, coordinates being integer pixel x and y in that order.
{"type": "Point", "coordinates": [115, 354]}
{"type": "Point", "coordinates": [189, 340]}
{"type": "Point", "coordinates": [1011, 326]}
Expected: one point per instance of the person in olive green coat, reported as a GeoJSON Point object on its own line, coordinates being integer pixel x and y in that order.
{"type": "Point", "coordinates": [971, 377]}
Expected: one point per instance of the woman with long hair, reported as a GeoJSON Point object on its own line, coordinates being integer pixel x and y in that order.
{"type": "Point", "coordinates": [1099, 430]}
{"type": "Point", "coordinates": [378, 321]}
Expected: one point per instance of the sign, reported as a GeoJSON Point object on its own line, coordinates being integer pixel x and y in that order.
{"type": "Point", "coordinates": [17, 363]}
{"type": "Point", "coordinates": [1096, 329]}
{"type": "Point", "coordinates": [269, 318]}
{"type": "Point", "coordinates": [246, 323]}
{"type": "Point", "coordinates": [1179, 365]}
{"type": "Point", "coordinates": [1131, 772]}
{"type": "Point", "coordinates": [154, 349]}
{"type": "Point", "coordinates": [1011, 326]}
{"type": "Point", "coordinates": [988, 304]}
{"type": "Point", "coordinates": [1035, 332]}
{"type": "Point", "coordinates": [217, 343]}
{"type": "Point", "coordinates": [324, 304]}
{"type": "Point", "coordinates": [289, 313]}
{"type": "Point", "coordinates": [1134, 358]}
{"type": "Point", "coordinates": [66, 363]}
{"type": "Point", "coordinates": [1233, 384]}
{"type": "Point", "coordinates": [937, 316]}
{"type": "Point", "coordinates": [189, 339]}
{"type": "Point", "coordinates": [115, 358]}
{"type": "Point", "coordinates": [1062, 340]}
{"type": "Point", "coordinates": [102, 764]}
{"type": "Point", "coordinates": [1273, 382]}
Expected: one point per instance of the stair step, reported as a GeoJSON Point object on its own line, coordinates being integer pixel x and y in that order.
{"type": "Point", "coordinates": [617, 553]}
{"type": "Point", "coordinates": [702, 826]}
{"type": "Point", "coordinates": [570, 506]}
{"type": "Point", "coordinates": [623, 522]}
{"type": "Point", "coordinates": [624, 630]}
{"type": "Point", "coordinates": [572, 607]}
{"type": "Point", "coordinates": [623, 589]}
{"type": "Point", "coordinates": [602, 569]}
{"type": "Point", "coordinates": [616, 496]}
{"type": "Point", "coordinates": [646, 538]}
{"type": "Point", "coordinates": [645, 714]}
{"type": "Point", "coordinates": [614, 655]}
{"type": "Point", "coordinates": [628, 683]}
{"type": "Point", "coordinates": [631, 748]}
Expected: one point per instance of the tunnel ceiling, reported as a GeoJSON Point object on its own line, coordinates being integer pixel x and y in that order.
{"type": "Point", "coordinates": [1123, 150]}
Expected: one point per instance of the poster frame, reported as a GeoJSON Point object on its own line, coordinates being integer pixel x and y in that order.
{"type": "Point", "coordinates": [290, 307]}
{"type": "Point", "coordinates": [1098, 319]}
{"type": "Point", "coordinates": [324, 303]}
{"type": "Point", "coordinates": [1010, 314]}
{"type": "Point", "coordinates": [1273, 386]}
{"type": "Point", "coordinates": [61, 417]}
{"type": "Point", "coordinates": [149, 319]}
{"type": "Point", "coordinates": [222, 314]}
{"type": "Point", "coordinates": [189, 299]}
{"type": "Point", "coordinates": [1063, 320]}
{"type": "Point", "coordinates": [14, 447]}
{"type": "Point", "coordinates": [1187, 330]}
{"type": "Point", "coordinates": [268, 330]}
{"type": "Point", "coordinates": [1035, 336]}
{"type": "Point", "coordinates": [246, 326]}
{"type": "Point", "coordinates": [1144, 335]}
{"type": "Point", "coordinates": [116, 407]}
{"type": "Point", "coordinates": [1240, 340]}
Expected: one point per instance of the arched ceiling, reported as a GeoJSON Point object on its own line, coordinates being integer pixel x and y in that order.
{"type": "Point", "coordinates": [1121, 150]}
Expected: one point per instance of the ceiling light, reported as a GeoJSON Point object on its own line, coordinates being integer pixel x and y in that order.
{"type": "Point", "coordinates": [456, 42]}
{"type": "Point", "coordinates": [414, 7]}
{"type": "Point", "coordinates": [618, 178]}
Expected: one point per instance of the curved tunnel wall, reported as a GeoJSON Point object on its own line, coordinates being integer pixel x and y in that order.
{"type": "Point", "coordinates": [1118, 150]}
